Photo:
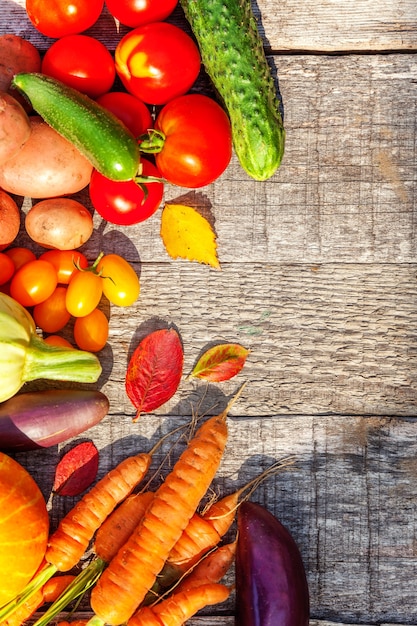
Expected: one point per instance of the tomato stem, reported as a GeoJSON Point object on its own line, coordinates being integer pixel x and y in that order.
{"type": "Point", "coordinates": [152, 141]}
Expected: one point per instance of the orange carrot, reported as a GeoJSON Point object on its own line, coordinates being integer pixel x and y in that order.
{"type": "Point", "coordinates": [110, 537]}
{"type": "Point", "coordinates": [205, 531]}
{"type": "Point", "coordinates": [68, 543]}
{"type": "Point", "coordinates": [132, 572]}
{"type": "Point", "coordinates": [178, 608]}
{"type": "Point", "coordinates": [210, 569]}
{"type": "Point", "coordinates": [75, 531]}
{"type": "Point", "coordinates": [118, 527]}
{"type": "Point", "coordinates": [48, 593]}
{"type": "Point", "coordinates": [53, 588]}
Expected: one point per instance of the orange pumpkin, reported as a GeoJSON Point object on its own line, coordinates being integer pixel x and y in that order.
{"type": "Point", "coordinates": [24, 527]}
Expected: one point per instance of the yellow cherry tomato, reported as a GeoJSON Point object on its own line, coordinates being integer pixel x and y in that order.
{"type": "Point", "coordinates": [84, 292]}
{"type": "Point", "coordinates": [120, 282]}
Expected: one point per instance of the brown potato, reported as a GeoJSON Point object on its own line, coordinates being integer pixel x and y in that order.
{"type": "Point", "coordinates": [15, 127]}
{"type": "Point", "coordinates": [60, 223]}
{"type": "Point", "coordinates": [9, 220]}
{"type": "Point", "coordinates": [47, 165]}
{"type": "Point", "coordinates": [16, 55]}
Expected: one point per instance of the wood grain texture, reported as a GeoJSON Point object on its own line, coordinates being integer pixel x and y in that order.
{"type": "Point", "coordinates": [330, 338]}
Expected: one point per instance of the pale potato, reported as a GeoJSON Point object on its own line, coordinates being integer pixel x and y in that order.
{"type": "Point", "coordinates": [46, 166]}
{"type": "Point", "coordinates": [15, 127]}
{"type": "Point", "coordinates": [16, 55]}
{"type": "Point", "coordinates": [60, 223]}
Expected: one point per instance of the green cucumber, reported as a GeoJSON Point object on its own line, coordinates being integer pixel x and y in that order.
{"type": "Point", "coordinates": [109, 146]}
{"type": "Point", "coordinates": [234, 59]}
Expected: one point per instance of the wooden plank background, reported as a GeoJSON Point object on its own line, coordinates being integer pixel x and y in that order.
{"type": "Point", "coordinates": [318, 279]}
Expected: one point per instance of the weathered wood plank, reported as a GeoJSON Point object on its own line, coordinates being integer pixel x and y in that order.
{"type": "Point", "coordinates": [327, 338]}
{"type": "Point", "coordinates": [349, 500]}
{"type": "Point", "coordinates": [285, 26]}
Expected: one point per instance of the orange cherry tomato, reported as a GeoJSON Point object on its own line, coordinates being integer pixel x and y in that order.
{"type": "Point", "coordinates": [34, 282]}
{"type": "Point", "coordinates": [83, 293]}
{"type": "Point", "coordinates": [57, 340]}
{"type": "Point", "coordinates": [51, 315]}
{"type": "Point", "coordinates": [20, 256]}
{"type": "Point", "coordinates": [7, 268]}
{"type": "Point", "coordinates": [65, 262]}
{"type": "Point", "coordinates": [91, 331]}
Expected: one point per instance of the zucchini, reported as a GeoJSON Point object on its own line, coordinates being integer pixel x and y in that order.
{"type": "Point", "coordinates": [233, 56]}
{"type": "Point", "coordinates": [109, 146]}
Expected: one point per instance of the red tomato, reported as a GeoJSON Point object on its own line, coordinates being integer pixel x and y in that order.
{"type": "Point", "coordinates": [7, 268]}
{"type": "Point", "coordinates": [81, 62]}
{"type": "Point", "coordinates": [130, 110]}
{"type": "Point", "coordinates": [51, 315]}
{"type": "Point", "coordinates": [157, 62]}
{"type": "Point", "coordinates": [65, 263]}
{"type": "Point", "coordinates": [137, 12]}
{"type": "Point", "coordinates": [124, 203]}
{"type": "Point", "coordinates": [34, 282]}
{"type": "Point", "coordinates": [20, 256]}
{"type": "Point", "coordinates": [91, 331]}
{"type": "Point", "coordinates": [57, 18]}
{"type": "Point", "coordinates": [198, 141]}
{"type": "Point", "coordinates": [83, 293]}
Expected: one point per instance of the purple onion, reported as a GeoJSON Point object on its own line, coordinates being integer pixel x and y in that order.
{"type": "Point", "coordinates": [40, 419]}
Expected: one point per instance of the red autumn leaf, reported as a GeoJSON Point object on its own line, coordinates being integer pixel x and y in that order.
{"type": "Point", "coordinates": [154, 370]}
{"type": "Point", "coordinates": [221, 362]}
{"type": "Point", "coordinates": [76, 470]}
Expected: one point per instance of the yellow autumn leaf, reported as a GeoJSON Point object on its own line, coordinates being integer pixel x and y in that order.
{"type": "Point", "coordinates": [188, 235]}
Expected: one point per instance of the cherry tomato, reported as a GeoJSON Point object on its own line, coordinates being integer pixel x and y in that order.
{"type": "Point", "coordinates": [130, 110]}
{"type": "Point", "coordinates": [34, 282]}
{"type": "Point", "coordinates": [65, 263]}
{"type": "Point", "coordinates": [137, 12]}
{"type": "Point", "coordinates": [83, 293]}
{"type": "Point", "coordinates": [51, 315]}
{"type": "Point", "coordinates": [7, 268]}
{"type": "Point", "coordinates": [198, 141]}
{"type": "Point", "coordinates": [157, 62]}
{"type": "Point", "coordinates": [120, 282]}
{"type": "Point", "coordinates": [81, 62]}
{"type": "Point", "coordinates": [20, 256]}
{"type": "Point", "coordinates": [57, 340]}
{"type": "Point", "coordinates": [57, 18]}
{"type": "Point", "coordinates": [91, 331]}
{"type": "Point", "coordinates": [124, 203]}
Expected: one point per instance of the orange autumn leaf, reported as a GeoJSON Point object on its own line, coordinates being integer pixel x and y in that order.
{"type": "Point", "coordinates": [221, 362]}
{"type": "Point", "coordinates": [188, 235]}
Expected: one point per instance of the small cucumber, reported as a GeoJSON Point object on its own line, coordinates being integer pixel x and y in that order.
{"type": "Point", "coordinates": [233, 56]}
{"type": "Point", "coordinates": [99, 135]}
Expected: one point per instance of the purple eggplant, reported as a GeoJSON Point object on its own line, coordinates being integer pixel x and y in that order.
{"type": "Point", "coordinates": [271, 583]}
{"type": "Point", "coordinates": [40, 419]}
